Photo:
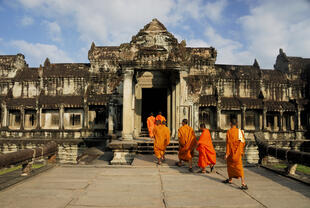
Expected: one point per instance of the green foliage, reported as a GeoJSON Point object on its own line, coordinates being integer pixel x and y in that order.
{"type": "Point", "coordinates": [303, 169]}
{"type": "Point", "coordinates": [8, 170]}
{"type": "Point", "coordinates": [300, 168]}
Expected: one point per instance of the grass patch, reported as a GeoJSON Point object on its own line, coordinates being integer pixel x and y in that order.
{"type": "Point", "coordinates": [280, 166]}
{"type": "Point", "coordinates": [8, 170]}
{"type": "Point", "coordinates": [303, 169]}
{"type": "Point", "coordinates": [300, 168]}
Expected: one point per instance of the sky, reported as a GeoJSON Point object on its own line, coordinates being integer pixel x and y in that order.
{"type": "Point", "coordinates": [240, 30]}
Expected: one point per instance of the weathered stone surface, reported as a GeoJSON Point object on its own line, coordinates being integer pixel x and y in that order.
{"type": "Point", "coordinates": [153, 186]}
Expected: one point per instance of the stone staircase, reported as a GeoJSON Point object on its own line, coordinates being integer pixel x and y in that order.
{"type": "Point", "coordinates": [145, 146]}
{"type": "Point", "coordinates": [144, 133]}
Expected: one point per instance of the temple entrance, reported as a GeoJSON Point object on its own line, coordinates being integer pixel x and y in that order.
{"type": "Point", "coordinates": [153, 100]}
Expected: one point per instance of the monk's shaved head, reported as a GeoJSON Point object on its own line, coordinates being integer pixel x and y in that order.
{"type": "Point", "coordinates": [184, 121]}
{"type": "Point", "coordinates": [159, 113]}
{"type": "Point", "coordinates": [202, 125]}
{"type": "Point", "coordinates": [164, 122]}
{"type": "Point", "coordinates": [151, 114]}
{"type": "Point", "coordinates": [234, 122]}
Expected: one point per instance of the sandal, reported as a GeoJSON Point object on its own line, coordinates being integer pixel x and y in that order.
{"type": "Point", "coordinates": [227, 181]}
{"type": "Point", "coordinates": [202, 172]}
{"type": "Point", "coordinates": [178, 164]}
{"type": "Point", "coordinates": [190, 170]}
{"type": "Point", "coordinates": [211, 169]}
{"type": "Point", "coordinates": [244, 187]}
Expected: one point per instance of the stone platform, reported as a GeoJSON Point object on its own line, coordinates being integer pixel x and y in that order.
{"type": "Point", "coordinates": [144, 184]}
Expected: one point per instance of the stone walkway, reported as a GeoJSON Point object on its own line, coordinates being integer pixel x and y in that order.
{"type": "Point", "coordinates": [147, 185]}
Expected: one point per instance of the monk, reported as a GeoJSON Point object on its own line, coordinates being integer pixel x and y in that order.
{"type": "Point", "coordinates": [235, 143]}
{"type": "Point", "coordinates": [207, 155]}
{"type": "Point", "coordinates": [160, 117]}
{"type": "Point", "coordinates": [151, 124]}
{"type": "Point", "coordinates": [187, 144]}
{"type": "Point", "coordinates": [160, 141]}
{"type": "Point", "coordinates": [167, 137]}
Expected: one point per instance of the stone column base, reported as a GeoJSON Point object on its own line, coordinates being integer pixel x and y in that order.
{"type": "Point", "coordinates": [122, 158]}
{"type": "Point", "coordinates": [127, 137]}
{"type": "Point", "coordinates": [124, 152]}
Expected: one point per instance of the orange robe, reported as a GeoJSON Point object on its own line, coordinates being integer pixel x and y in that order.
{"type": "Point", "coordinates": [206, 150]}
{"type": "Point", "coordinates": [167, 136]}
{"type": "Point", "coordinates": [234, 151]}
{"type": "Point", "coordinates": [160, 118]}
{"type": "Point", "coordinates": [150, 125]}
{"type": "Point", "coordinates": [160, 141]}
{"type": "Point", "coordinates": [187, 142]}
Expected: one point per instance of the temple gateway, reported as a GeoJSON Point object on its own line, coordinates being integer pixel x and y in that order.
{"type": "Point", "coordinates": [115, 93]}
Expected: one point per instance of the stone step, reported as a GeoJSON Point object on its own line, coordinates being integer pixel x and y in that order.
{"type": "Point", "coordinates": [152, 151]}
{"type": "Point", "coordinates": [145, 146]}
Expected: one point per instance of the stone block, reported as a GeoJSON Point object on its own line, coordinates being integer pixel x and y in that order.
{"type": "Point", "coordinates": [122, 158]}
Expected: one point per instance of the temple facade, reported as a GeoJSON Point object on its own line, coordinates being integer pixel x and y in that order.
{"type": "Point", "coordinates": [116, 91]}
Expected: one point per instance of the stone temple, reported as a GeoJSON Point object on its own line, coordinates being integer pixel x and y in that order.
{"type": "Point", "coordinates": [114, 93]}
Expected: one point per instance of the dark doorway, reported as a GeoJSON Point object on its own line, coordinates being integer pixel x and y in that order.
{"type": "Point", "coordinates": [153, 100]}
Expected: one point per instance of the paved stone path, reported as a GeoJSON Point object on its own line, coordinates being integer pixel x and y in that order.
{"type": "Point", "coordinates": [147, 185]}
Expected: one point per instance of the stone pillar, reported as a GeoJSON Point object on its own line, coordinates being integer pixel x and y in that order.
{"type": "Point", "coordinates": [218, 117]}
{"type": "Point", "coordinates": [39, 112]}
{"type": "Point", "coordinates": [61, 117]}
{"type": "Point", "coordinates": [177, 105]}
{"type": "Point", "coordinates": [275, 122]}
{"type": "Point", "coordinates": [292, 125]}
{"type": "Point", "coordinates": [138, 110]}
{"type": "Point", "coordinates": [196, 117]}
{"type": "Point", "coordinates": [173, 113]}
{"type": "Point", "coordinates": [281, 120]}
{"type": "Point", "coordinates": [298, 127]}
{"type": "Point", "coordinates": [85, 116]}
{"type": "Point", "coordinates": [169, 109]}
{"type": "Point", "coordinates": [127, 106]}
{"type": "Point", "coordinates": [110, 121]}
{"type": "Point", "coordinates": [243, 109]}
{"type": "Point", "coordinates": [264, 118]}
{"type": "Point", "coordinates": [22, 118]}
{"type": "Point", "coordinates": [4, 115]}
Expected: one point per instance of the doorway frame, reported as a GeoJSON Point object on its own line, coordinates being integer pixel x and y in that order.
{"type": "Point", "coordinates": [162, 80]}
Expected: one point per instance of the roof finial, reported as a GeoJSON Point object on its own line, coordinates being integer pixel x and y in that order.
{"type": "Point", "coordinates": [47, 62]}
{"type": "Point", "coordinates": [255, 64]}
{"type": "Point", "coordinates": [281, 51]}
{"type": "Point", "coordinates": [92, 45]}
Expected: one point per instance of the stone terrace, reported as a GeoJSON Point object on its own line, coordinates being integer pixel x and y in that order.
{"type": "Point", "coordinates": [144, 184]}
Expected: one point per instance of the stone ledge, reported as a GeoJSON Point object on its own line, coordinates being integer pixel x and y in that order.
{"type": "Point", "coordinates": [123, 145]}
